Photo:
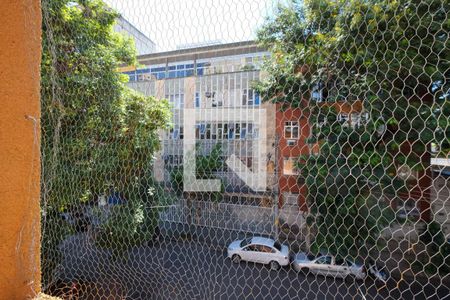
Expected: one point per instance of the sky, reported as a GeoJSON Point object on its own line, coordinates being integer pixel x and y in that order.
{"type": "Point", "coordinates": [170, 23]}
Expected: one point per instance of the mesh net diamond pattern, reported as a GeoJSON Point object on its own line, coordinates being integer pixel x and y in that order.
{"type": "Point", "coordinates": [247, 149]}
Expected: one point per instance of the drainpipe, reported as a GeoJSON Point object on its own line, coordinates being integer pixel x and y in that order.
{"type": "Point", "coordinates": [276, 192]}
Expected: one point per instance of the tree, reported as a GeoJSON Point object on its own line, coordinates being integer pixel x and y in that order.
{"type": "Point", "coordinates": [391, 57]}
{"type": "Point", "coordinates": [205, 166]}
{"type": "Point", "coordinates": [97, 134]}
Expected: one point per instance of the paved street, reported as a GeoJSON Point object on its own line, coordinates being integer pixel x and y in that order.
{"type": "Point", "coordinates": [186, 269]}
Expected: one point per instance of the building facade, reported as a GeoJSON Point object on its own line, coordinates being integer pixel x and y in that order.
{"type": "Point", "coordinates": [144, 45]}
{"type": "Point", "coordinates": [218, 80]}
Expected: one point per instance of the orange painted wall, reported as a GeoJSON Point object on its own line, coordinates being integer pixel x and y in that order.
{"type": "Point", "coordinates": [20, 46]}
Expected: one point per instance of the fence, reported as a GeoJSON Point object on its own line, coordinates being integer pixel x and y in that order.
{"type": "Point", "coordinates": [227, 216]}
{"type": "Point", "coordinates": [311, 109]}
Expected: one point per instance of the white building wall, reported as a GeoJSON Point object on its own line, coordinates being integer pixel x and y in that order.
{"type": "Point", "coordinates": [144, 45]}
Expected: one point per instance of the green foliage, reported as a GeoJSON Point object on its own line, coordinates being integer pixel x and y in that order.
{"type": "Point", "coordinates": [206, 165]}
{"type": "Point", "coordinates": [176, 179]}
{"type": "Point", "coordinates": [124, 228]}
{"type": "Point", "coordinates": [391, 57]}
{"type": "Point", "coordinates": [97, 134]}
{"type": "Point", "coordinates": [136, 221]}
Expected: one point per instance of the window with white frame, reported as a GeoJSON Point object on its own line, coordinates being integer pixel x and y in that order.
{"type": "Point", "coordinates": [289, 166]}
{"type": "Point", "coordinates": [222, 131]}
{"type": "Point", "coordinates": [290, 200]}
{"type": "Point", "coordinates": [225, 132]}
{"type": "Point", "coordinates": [176, 100]}
{"type": "Point", "coordinates": [237, 131]}
{"type": "Point", "coordinates": [214, 131]}
{"type": "Point", "coordinates": [208, 131]}
{"type": "Point", "coordinates": [355, 120]}
{"type": "Point", "coordinates": [176, 133]}
{"type": "Point", "coordinates": [250, 132]}
{"type": "Point", "coordinates": [291, 130]}
{"type": "Point", "coordinates": [243, 130]}
{"type": "Point", "coordinates": [197, 100]}
{"type": "Point", "coordinates": [231, 131]}
{"type": "Point", "coordinates": [200, 130]}
{"type": "Point", "coordinates": [321, 120]}
{"type": "Point", "coordinates": [173, 160]}
{"type": "Point", "coordinates": [364, 117]}
{"type": "Point", "coordinates": [317, 93]}
{"type": "Point", "coordinates": [248, 97]}
{"type": "Point", "coordinates": [343, 118]}
{"type": "Point", "coordinates": [214, 98]}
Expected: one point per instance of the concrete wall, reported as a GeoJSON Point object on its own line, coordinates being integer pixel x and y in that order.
{"type": "Point", "coordinates": [144, 45]}
{"type": "Point", "coordinates": [20, 54]}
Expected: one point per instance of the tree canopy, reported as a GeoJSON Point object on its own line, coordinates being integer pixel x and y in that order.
{"type": "Point", "coordinates": [98, 136]}
{"type": "Point", "coordinates": [390, 56]}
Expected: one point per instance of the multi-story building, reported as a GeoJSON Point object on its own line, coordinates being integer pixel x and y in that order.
{"type": "Point", "coordinates": [218, 78]}
{"type": "Point", "coordinates": [293, 128]}
{"type": "Point", "coordinates": [213, 79]}
{"type": "Point", "coordinates": [144, 45]}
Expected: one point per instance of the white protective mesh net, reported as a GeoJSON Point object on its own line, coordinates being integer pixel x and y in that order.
{"type": "Point", "coordinates": [246, 149]}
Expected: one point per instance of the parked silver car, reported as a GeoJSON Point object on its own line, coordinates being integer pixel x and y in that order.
{"type": "Point", "coordinates": [328, 265]}
{"type": "Point", "coordinates": [260, 250]}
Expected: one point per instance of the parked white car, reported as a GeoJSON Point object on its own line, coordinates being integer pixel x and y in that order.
{"type": "Point", "coordinates": [378, 273]}
{"type": "Point", "coordinates": [260, 250]}
{"type": "Point", "coordinates": [328, 265]}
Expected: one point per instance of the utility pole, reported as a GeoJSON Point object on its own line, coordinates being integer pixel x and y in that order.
{"type": "Point", "coordinates": [275, 190]}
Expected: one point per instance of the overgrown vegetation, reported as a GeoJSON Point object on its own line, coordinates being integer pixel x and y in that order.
{"type": "Point", "coordinates": [206, 166]}
{"type": "Point", "coordinates": [97, 134]}
{"type": "Point", "coordinates": [389, 56]}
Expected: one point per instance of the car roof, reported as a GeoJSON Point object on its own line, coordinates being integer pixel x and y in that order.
{"type": "Point", "coordinates": [263, 241]}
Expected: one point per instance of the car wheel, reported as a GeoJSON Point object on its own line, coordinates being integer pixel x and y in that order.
{"type": "Point", "coordinates": [274, 265]}
{"type": "Point", "coordinates": [236, 258]}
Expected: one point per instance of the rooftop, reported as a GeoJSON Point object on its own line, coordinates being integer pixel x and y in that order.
{"type": "Point", "coordinates": [201, 52]}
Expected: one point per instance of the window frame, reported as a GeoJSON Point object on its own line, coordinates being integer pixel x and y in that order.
{"type": "Point", "coordinates": [294, 172]}
{"type": "Point", "coordinates": [291, 124]}
{"type": "Point", "coordinates": [324, 257]}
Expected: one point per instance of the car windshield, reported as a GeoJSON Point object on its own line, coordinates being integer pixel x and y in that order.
{"type": "Point", "coordinates": [245, 242]}
{"type": "Point", "coordinates": [343, 262]}
{"type": "Point", "coordinates": [277, 246]}
{"type": "Point", "coordinates": [311, 256]}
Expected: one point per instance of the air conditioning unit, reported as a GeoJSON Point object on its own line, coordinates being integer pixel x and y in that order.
{"type": "Point", "coordinates": [209, 70]}
{"type": "Point", "coordinates": [216, 103]}
{"type": "Point", "coordinates": [291, 143]}
{"type": "Point", "coordinates": [210, 94]}
{"type": "Point", "coordinates": [148, 76]}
